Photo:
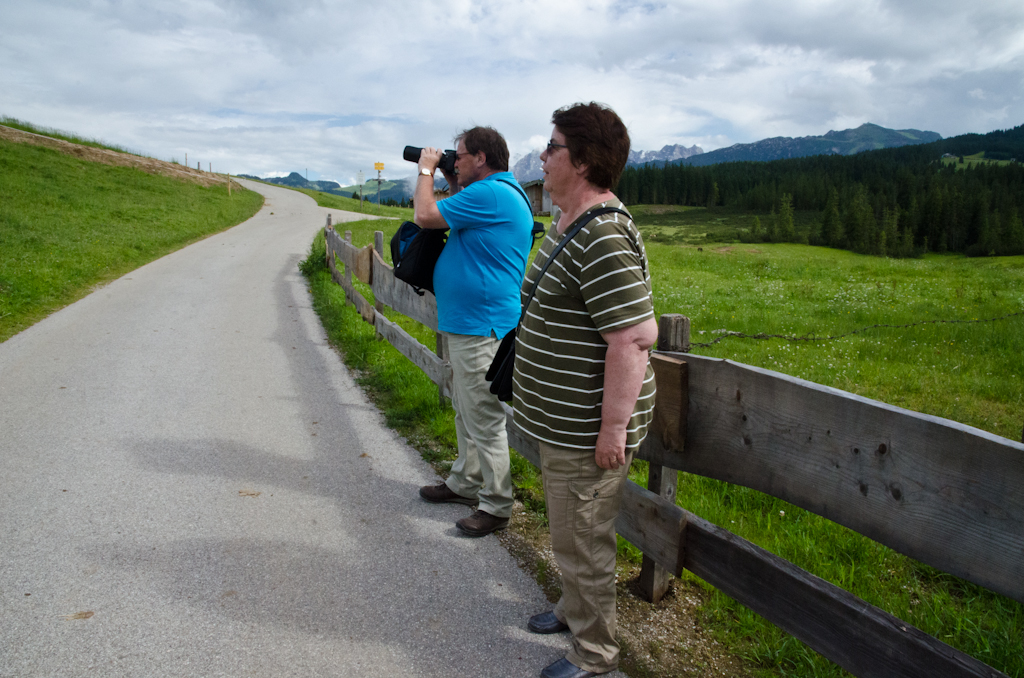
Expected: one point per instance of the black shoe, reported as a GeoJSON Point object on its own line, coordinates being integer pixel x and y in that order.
{"type": "Point", "coordinates": [481, 523]}
{"type": "Point", "coordinates": [546, 622]}
{"type": "Point", "coordinates": [442, 494]}
{"type": "Point", "coordinates": [564, 668]}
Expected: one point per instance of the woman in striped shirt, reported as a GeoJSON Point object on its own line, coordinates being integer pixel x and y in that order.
{"type": "Point", "coordinates": [583, 383]}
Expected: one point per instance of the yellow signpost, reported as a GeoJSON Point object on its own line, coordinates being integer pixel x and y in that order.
{"type": "Point", "coordinates": [378, 166]}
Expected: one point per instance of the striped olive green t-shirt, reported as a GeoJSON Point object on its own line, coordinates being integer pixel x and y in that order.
{"type": "Point", "coordinates": [598, 283]}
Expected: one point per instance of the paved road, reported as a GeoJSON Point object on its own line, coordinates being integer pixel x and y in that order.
{"type": "Point", "coordinates": [186, 463]}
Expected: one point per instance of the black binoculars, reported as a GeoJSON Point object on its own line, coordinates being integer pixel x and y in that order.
{"type": "Point", "coordinates": [447, 164]}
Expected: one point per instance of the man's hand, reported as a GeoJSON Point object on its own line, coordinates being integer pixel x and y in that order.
{"type": "Point", "coordinates": [429, 159]}
{"type": "Point", "coordinates": [425, 212]}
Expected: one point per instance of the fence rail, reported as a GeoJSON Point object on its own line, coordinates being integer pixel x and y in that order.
{"type": "Point", "coordinates": [943, 493]}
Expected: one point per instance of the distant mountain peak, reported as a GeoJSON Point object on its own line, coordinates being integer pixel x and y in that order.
{"type": "Point", "coordinates": [528, 168]}
{"type": "Point", "coordinates": [867, 137]}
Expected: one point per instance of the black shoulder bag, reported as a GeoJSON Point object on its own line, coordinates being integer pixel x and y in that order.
{"type": "Point", "coordinates": [414, 252]}
{"type": "Point", "coordinates": [503, 365]}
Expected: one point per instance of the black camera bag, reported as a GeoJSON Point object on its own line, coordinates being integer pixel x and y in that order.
{"type": "Point", "coordinates": [414, 253]}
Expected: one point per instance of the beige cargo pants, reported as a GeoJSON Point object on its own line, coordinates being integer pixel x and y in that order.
{"type": "Point", "coordinates": [583, 501]}
{"type": "Point", "coordinates": [482, 469]}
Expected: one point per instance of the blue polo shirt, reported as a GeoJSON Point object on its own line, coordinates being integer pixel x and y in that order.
{"type": "Point", "coordinates": [477, 277]}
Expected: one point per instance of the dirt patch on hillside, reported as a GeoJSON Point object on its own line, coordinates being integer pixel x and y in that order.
{"type": "Point", "coordinates": [108, 157]}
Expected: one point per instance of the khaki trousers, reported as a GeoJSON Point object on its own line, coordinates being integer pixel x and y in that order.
{"type": "Point", "coordinates": [482, 469]}
{"type": "Point", "coordinates": [583, 501]}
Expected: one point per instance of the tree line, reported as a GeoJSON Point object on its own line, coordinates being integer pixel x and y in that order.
{"type": "Point", "coordinates": [892, 202]}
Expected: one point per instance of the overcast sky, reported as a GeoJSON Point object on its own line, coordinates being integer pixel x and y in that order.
{"type": "Point", "coordinates": [273, 86]}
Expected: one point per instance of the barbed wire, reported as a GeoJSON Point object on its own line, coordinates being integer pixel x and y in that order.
{"type": "Point", "coordinates": [810, 337]}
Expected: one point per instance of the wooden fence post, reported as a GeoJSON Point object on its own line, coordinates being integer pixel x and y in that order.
{"type": "Point", "coordinates": [348, 268]}
{"type": "Point", "coordinates": [378, 245]}
{"type": "Point", "coordinates": [442, 353]}
{"type": "Point", "coordinates": [673, 335]}
{"type": "Point", "coordinates": [328, 254]}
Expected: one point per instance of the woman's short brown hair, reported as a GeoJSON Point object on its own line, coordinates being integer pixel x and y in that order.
{"type": "Point", "coordinates": [597, 138]}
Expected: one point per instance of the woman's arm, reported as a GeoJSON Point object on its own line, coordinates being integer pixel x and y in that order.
{"type": "Point", "coordinates": [625, 365]}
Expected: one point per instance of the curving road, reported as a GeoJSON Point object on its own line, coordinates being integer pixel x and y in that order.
{"type": "Point", "coordinates": [191, 485]}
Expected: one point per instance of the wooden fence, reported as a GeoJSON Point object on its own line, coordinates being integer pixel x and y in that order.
{"type": "Point", "coordinates": [943, 493]}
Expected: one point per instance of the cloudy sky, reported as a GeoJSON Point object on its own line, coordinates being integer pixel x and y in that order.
{"type": "Point", "coordinates": [273, 86]}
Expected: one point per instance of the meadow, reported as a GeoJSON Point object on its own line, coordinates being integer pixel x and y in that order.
{"type": "Point", "coordinates": [948, 341]}
{"type": "Point", "coordinates": [68, 225]}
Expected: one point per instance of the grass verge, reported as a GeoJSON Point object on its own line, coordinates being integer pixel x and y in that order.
{"type": "Point", "coordinates": [67, 225]}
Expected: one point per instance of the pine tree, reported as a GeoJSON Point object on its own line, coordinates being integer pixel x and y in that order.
{"type": "Point", "coordinates": [831, 225]}
{"type": "Point", "coordinates": [1013, 234]}
{"type": "Point", "coordinates": [713, 197]}
{"type": "Point", "coordinates": [889, 237]}
{"type": "Point", "coordinates": [785, 231]}
{"type": "Point", "coordinates": [866, 225]}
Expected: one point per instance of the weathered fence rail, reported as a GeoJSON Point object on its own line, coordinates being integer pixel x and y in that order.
{"type": "Point", "coordinates": [946, 494]}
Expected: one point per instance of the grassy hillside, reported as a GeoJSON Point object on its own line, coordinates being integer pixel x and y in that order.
{"type": "Point", "coordinates": [61, 134]}
{"type": "Point", "coordinates": [67, 225]}
{"type": "Point", "coordinates": [952, 360]}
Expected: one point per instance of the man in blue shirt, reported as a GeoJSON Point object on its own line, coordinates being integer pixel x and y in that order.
{"type": "Point", "coordinates": [476, 283]}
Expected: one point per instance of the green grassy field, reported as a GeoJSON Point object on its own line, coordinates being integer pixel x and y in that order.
{"type": "Point", "coordinates": [972, 160]}
{"type": "Point", "coordinates": [699, 226]}
{"type": "Point", "coordinates": [67, 225]}
{"type": "Point", "coordinates": [965, 370]}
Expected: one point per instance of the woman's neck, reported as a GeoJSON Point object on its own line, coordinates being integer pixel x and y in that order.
{"type": "Point", "coordinates": [575, 205]}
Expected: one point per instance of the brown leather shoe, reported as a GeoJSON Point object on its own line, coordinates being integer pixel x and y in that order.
{"type": "Point", "coordinates": [442, 494]}
{"type": "Point", "coordinates": [481, 523]}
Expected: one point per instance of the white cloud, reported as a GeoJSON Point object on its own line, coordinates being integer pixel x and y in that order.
{"type": "Point", "coordinates": [260, 85]}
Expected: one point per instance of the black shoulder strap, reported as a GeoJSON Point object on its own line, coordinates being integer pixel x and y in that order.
{"type": "Point", "coordinates": [538, 227]}
{"type": "Point", "coordinates": [521, 192]}
{"type": "Point", "coordinates": [561, 245]}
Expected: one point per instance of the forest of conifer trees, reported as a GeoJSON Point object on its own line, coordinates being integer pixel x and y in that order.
{"type": "Point", "coordinates": [896, 202]}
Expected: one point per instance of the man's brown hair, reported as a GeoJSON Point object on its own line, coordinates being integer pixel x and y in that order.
{"type": "Point", "coordinates": [488, 140]}
{"type": "Point", "coordinates": [597, 138]}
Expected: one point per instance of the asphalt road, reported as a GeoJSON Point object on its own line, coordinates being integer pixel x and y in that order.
{"type": "Point", "coordinates": [192, 485]}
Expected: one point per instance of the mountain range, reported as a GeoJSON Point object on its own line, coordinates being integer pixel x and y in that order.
{"type": "Point", "coordinates": [395, 190]}
{"type": "Point", "coordinates": [867, 137]}
{"type": "Point", "coordinates": [296, 180]}
{"type": "Point", "coordinates": [528, 168]}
